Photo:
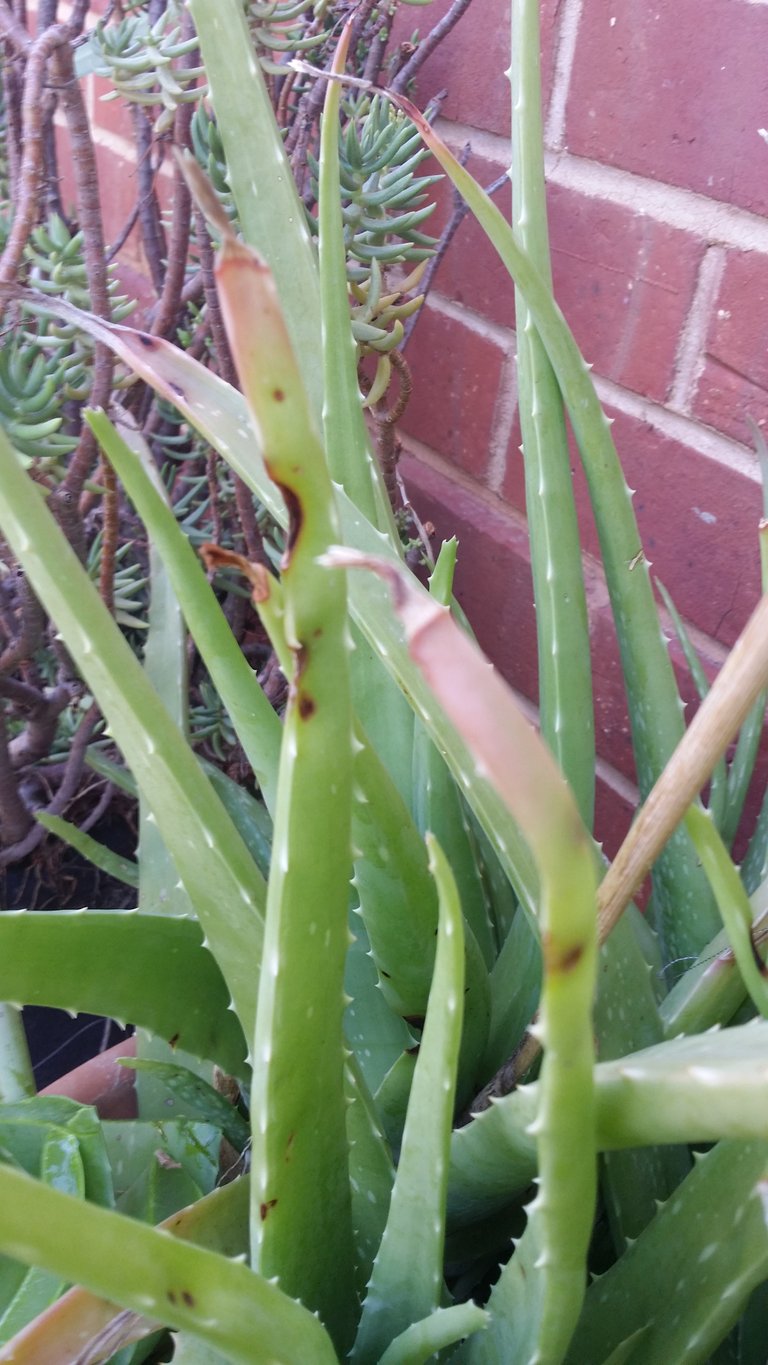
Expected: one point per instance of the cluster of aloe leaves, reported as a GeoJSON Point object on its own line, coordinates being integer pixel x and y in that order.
{"type": "Point", "coordinates": [363, 947]}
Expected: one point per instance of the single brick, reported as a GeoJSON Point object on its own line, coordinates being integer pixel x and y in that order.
{"type": "Point", "coordinates": [697, 519]}
{"type": "Point", "coordinates": [456, 373]}
{"type": "Point", "coordinates": [676, 92]}
{"type": "Point", "coordinates": [733, 384]}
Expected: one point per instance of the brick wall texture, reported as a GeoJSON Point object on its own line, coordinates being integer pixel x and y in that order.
{"type": "Point", "coordinates": [658, 200]}
{"type": "Point", "coordinates": [658, 203]}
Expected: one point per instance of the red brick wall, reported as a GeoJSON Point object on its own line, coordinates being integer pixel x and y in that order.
{"type": "Point", "coordinates": [658, 196]}
{"type": "Point", "coordinates": [658, 187]}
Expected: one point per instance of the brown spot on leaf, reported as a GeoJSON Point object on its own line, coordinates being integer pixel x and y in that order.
{"type": "Point", "coordinates": [295, 521]}
{"type": "Point", "coordinates": [171, 1297]}
{"type": "Point", "coordinates": [561, 961]}
{"type": "Point", "coordinates": [288, 1145]}
{"type": "Point", "coordinates": [174, 1040]}
{"type": "Point", "coordinates": [176, 388]}
{"type": "Point", "coordinates": [265, 1208]}
{"type": "Point", "coordinates": [188, 1298]}
{"type": "Point", "coordinates": [278, 395]}
{"type": "Point", "coordinates": [146, 340]}
{"type": "Point", "coordinates": [307, 705]}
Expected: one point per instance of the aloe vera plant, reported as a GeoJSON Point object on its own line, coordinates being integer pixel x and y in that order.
{"type": "Point", "coordinates": [360, 984]}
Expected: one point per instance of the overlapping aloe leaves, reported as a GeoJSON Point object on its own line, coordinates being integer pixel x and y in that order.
{"type": "Point", "coordinates": [365, 1208]}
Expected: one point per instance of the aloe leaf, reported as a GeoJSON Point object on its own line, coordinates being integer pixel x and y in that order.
{"type": "Point", "coordinates": [406, 1280]}
{"type": "Point", "coordinates": [396, 894]}
{"type": "Point", "coordinates": [148, 969]}
{"type": "Point", "coordinates": [17, 1080]}
{"type": "Point", "coordinates": [214, 864]}
{"type": "Point", "coordinates": [419, 1342]}
{"type": "Point", "coordinates": [627, 1019]}
{"type": "Point", "coordinates": [514, 760]}
{"type": "Point", "coordinates": [173, 1163]}
{"type": "Point", "coordinates": [732, 901]}
{"type": "Point", "coordinates": [269, 210]}
{"type": "Point", "coordinates": [515, 988]}
{"type": "Point", "coordinates": [740, 680]}
{"type": "Point", "coordinates": [709, 993]}
{"type": "Point", "coordinates": [81, 1320]}
{"type": "Point", "coordinates": [742, 767]}
{"type": "Point", "coordinates": [221, 416]}
{"type": "Point", "coordinates": [718, 791]}
{"type": "Point", "coordinates": [698, 1089]}
{"type": "Point", "coordinates": [297, 1097]}
{"type": "Point", "coordinates": [198, 1099]}
{"type": "Point", "coordinates": [122, 869]}
{"type": "Point", "coordinates": [687, 1277]}
{"type": "Point", "coordinates": [492, 1159]}
{"type": "Point", "coordinates": [754, 868]}
{"type": "Point", "coordinates": [62, 1169]}
{"type": "Point", "coordinates": [161, 890]}
{"type": "Point", "coordinates": [250, 818]}
{"type": "Point", "coordinates": [382, 710]}
{"type": "Point", "coordinates": [684, 901]}
{"type": "Point", "coordinates": [254, 720]}
{"type": "Point", "coordinates": [250, 1320]}
{"type": "Point", "coordinates": [371, 1173]}
{"type": "Point", "coordinates": [438, 805]}
{"type": "Point", "coordinates": [25, 1123]}
{"type": "Point", "coordinates": [565, 676]}
{"type": "Point", "coordinates": [350, 459]}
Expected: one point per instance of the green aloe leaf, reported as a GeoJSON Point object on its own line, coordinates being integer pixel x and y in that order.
{"type": "Point", "coordinates": [123, 869]}
{"type": "Point", "coordinates": [297, 1097]}
{"type": "Point", "coordinates": [197, 1099]}
{"type": "Point", "coordinates": [685, 1281]}
{"type": "Point", "coordinates": [512, 759]}
{"type": "Point", "coordinates": [82, 1320]}
{"type": "Point", "coordinates": [148, 970]}
{"type": "Point", "coordinates": [221, 416]}
{"type": "Point", "coordinates": [269, 210]}
{"type": "Point", "coordinates": [250, 1320]}
{"type": "Point", "coordinates": [218, 873]}
{"type": "Point", "coordinates": [565, 675]}
{"type": "Point", "coordinates": [254, 720]}
{"type": "Point", "coordinates": [406, 1281]}
{"type": "Point", "coordinates": [419, 1342]}
{"type": "Point", "coordinates": [683, 899]}
{"type": "Point", "coordinates": [350, 459]}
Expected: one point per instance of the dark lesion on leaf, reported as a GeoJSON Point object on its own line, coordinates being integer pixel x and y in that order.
{"type": "Point", "coordinates": [307, 705]}
{"type": "Point", "coordinates": [564, 960]}
{"type": "Point", "coordinates": [147, 340]}
{"type": "Point", "coordinates": [266, 1208]}
{"type": "Point", "coordinates": [295, 521]}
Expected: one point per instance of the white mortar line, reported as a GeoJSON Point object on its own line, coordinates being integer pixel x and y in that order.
{"type": "Point", "coordinates": [504, 411]}
{"type": "Point", "coordinates": [702, 440]}
{"type": "Point", "coordinates": [474, 322]}
{"type": "Point", "coordinates": [689, 361]}
{"type": "Point", "coordinates": [564, 59]}
{"type": "Point", "coordinates": [707, 219]}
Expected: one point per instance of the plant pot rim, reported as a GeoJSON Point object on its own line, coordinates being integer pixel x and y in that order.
{"type": "Point", "coordinates": [102, 1083]}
